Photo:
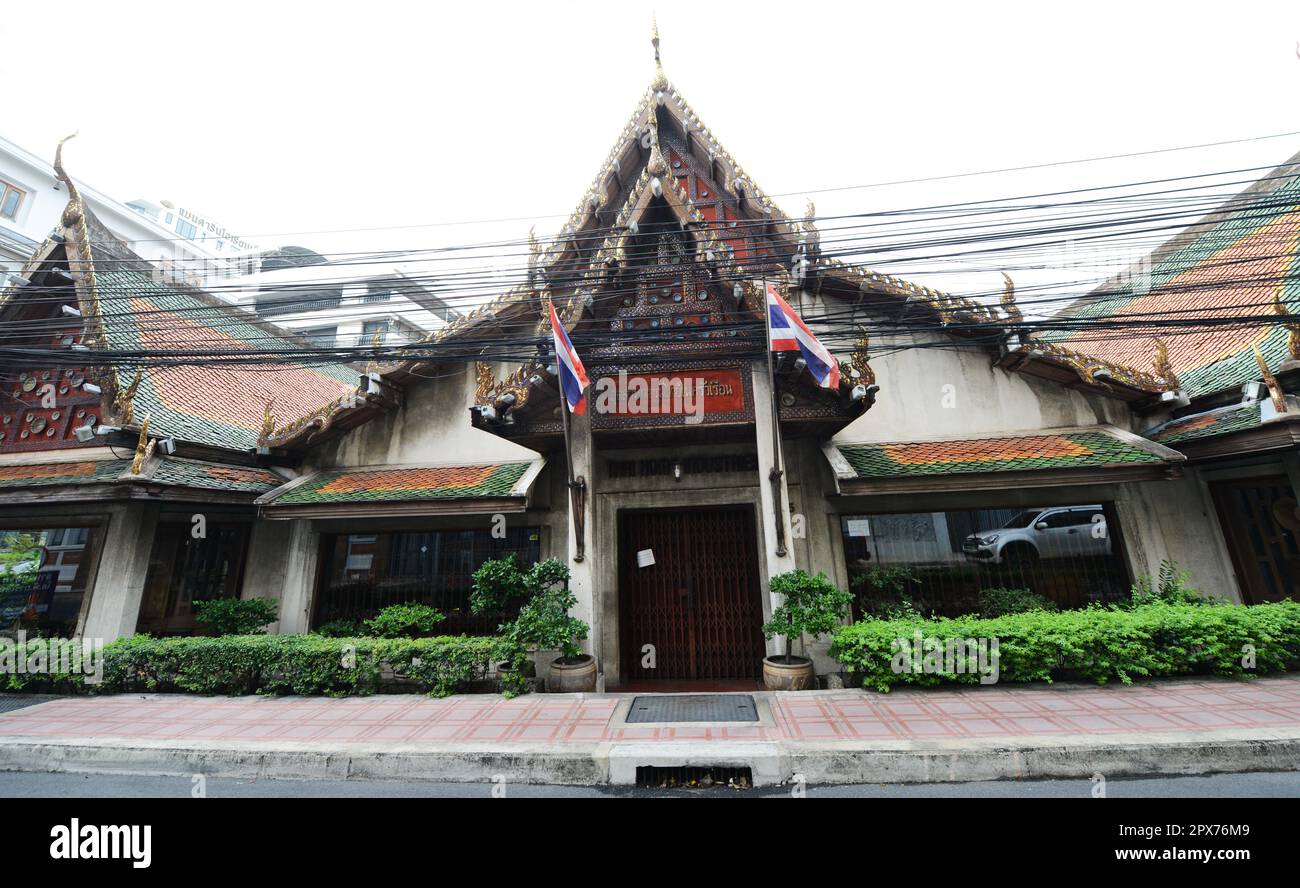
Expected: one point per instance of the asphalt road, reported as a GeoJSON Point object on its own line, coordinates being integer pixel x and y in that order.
{"type": "Point", "coordinates": [39, 785]}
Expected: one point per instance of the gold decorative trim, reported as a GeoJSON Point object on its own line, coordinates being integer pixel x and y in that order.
{"type": "Point", "coordinates": [1088, 367]}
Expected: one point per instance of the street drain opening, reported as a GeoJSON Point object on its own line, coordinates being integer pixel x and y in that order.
{"type": "Point", "coordinates": [694, 777]}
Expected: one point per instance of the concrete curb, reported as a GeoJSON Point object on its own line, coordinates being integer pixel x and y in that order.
{"type": "Point", "coordinates": [587, 764]}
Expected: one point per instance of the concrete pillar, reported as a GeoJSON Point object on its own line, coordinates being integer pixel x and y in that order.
{"type": "Point", "coordinates": [266, 565]}
{"type": "Point", "coordinates": [582, 580]}
{"type": "Point", "coordinates": [299, 555]}
{"type": "Point", "coordinates": [123, 566]}
{"type": "Point", "coordinates": [763, 421]}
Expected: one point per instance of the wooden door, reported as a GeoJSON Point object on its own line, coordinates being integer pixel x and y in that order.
{"type": "Point", "coordinates": [699, 605]}
{"type": "Point", "coordinates": [1264, 553]}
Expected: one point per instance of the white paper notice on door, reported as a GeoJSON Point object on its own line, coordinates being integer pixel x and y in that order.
{"type": "Point", "coordinates": [645, 557]}
{"type": "Point", "coordinates": [859, 527]}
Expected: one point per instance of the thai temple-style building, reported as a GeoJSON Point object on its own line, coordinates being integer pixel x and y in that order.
{"type": "Point", "coordinates": [1012, 459]}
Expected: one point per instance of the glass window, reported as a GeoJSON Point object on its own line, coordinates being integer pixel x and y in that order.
{"type": "Point", "coordinates": [367, 572]}
{"type": "Point", "coordinates": [371, 329]}
{"type": "Point", "coordinates": [43, 576]}
{"type": "Point", "coordinates": [322, 337]}
{"type": "Point", "coordinates": [941, 561]}
{"type": "Point", "coordinates": [185, 229]}
{"type": "Point", "coordinates": [11, 199]}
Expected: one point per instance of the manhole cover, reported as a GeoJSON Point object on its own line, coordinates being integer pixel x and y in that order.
{"type": "Point", "coordinates": [693, 708]}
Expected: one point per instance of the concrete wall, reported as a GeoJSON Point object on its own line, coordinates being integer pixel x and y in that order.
{"type": "Point", "coordinates": [954, 390]}
{"type": "Point", "coordinates": [431, 426]}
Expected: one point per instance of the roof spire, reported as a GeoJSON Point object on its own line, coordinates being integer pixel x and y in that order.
{"type": "Point", "coordinates": [72, 212]}
{"type": "Point", "coordinates": [661, 81]}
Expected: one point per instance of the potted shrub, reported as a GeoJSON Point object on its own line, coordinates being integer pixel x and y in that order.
{"type": "Point", "coordinates": [809, 606]}
{"type": "Point", "coordinates": [500, 584]}
{"type": "Point", "coordinates": [543, 622]}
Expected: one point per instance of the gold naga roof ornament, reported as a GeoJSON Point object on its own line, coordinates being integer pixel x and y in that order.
{"type": "Point", "coordinates": [1163, 367]}
{"type": "Point", "coordinates": [268, 424]}
{"type": "Point", "coordinates": [143, 447]}
{"type": "Point", "coordinates": [1292, 328]}
{"type": "Point", "coordinates": [80, 258]}
{"type": "Point", "coordinates": [859, 362]}
{"type": "Point", "coordinates": [484, 380]}
{"type": "Point", "coordinates": [657, 166]}
{"type": "Point", "coordinates": [1275, 391]}
{"type": "Point", "coordinates": [124, 403]}
{"type": "Point", "coordinates": [1008, 300]}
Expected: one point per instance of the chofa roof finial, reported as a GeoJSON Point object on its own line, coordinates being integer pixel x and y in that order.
{"type": "Point", "coordinates": [71, 212]}
{"type": "Point", "coordinates": [660, 80]}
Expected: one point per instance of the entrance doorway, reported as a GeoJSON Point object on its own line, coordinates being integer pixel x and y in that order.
{"type": "Point", "coordinates": [699, 604]}
{"type": "Point", "coordinates": [1252, 513]}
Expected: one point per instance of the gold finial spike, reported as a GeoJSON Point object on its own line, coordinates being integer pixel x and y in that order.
{"type": "Point", "coordinates": [124, 403]}
{"type": "Point", "coordinates": [1292, 329]}
{"type": "Point", "coordinates": [534, 255]}
{"type": "Point", "coordinates": [268, 424]}
{"type": "Point", "coordinates": [143, 447]}
{"type": "Point", "coordinates": [660, 80]}
{"type": "Point", "coordinates": [1164, 368]}
{"type": "Point", "coordinates": [1008, 300]}
{"type": "Point", "coordinates": [1274, 389]}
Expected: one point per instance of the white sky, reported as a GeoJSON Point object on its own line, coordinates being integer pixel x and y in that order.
{"type": "Point", "coordinates": [280, 117]}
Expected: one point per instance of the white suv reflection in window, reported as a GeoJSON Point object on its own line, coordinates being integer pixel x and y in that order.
{"type": "Point", "coordinates": [1059, 532]}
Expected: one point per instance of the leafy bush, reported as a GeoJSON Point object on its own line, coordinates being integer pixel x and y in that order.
{"type": "Point", "coordinates": [1170, 587]}
{"type": "Point", "coordinates": [886, 591]}
{"type": "Point", "coordinates": [544, 622]}
{"type": "Point", "coordinates": [237, 616]}
{"type": "Point", "coordinates": [1097, 644]}
{"type": "Point", "coordinates": [810, 606]}
{"type": "Point", "coordinates": [341, 629]}
{"type": "Point", "coordinates": [499, 584]}
{"type": "Point", "coordinates": [283, 664]}
{"type": "Point", "coordinates": [999, 602]}
{"type": "Point", "coordinates": [409, 620]}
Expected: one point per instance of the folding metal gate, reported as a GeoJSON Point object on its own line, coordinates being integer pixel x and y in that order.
{"type": "Point", "coordinates": [699, 605]}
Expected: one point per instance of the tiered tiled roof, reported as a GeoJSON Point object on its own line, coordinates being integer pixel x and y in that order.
{"type": "Point", "coordinates": [1242, 261]}
{"type": "Point", "coordinates": [89, 471]}
{"type": "Point", "coordinates": [168, 471]}
{"type": "Point", "coordinates": [216, 404]}
{"type": "Point", "coordinates": [405, 484]}
{"type": "Point", "coordinates": [1028, 452]}
{"type": "Point", "coordinates": [214, 476]}
{"type": "Point", "coordinates": [1235, 418]}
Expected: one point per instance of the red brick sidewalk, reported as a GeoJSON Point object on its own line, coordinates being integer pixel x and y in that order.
{"type": "Point", "coordinates": [948, 714]}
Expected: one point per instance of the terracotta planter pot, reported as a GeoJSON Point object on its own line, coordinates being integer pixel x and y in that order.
{"type": "Point", "coordinates": [572, 677]}
{"type": "Point", "coordinates": [797, 674]}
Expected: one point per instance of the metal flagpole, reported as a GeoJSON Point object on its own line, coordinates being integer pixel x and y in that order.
{"type": "Point", "coordinates": [775, 475]}
{"type": "Point", "coordinates": [577, 487]}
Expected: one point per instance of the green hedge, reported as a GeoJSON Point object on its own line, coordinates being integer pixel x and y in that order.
{"type": "Point", "coordinates": [1095, 644]}
{"type": "Point", "coordinates": [282, 664]}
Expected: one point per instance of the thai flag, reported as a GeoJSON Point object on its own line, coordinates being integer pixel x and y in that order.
{"type": "Point", "coordinates": [573, 376]}
{"type": "Point", "coordinates": [790, 333]}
